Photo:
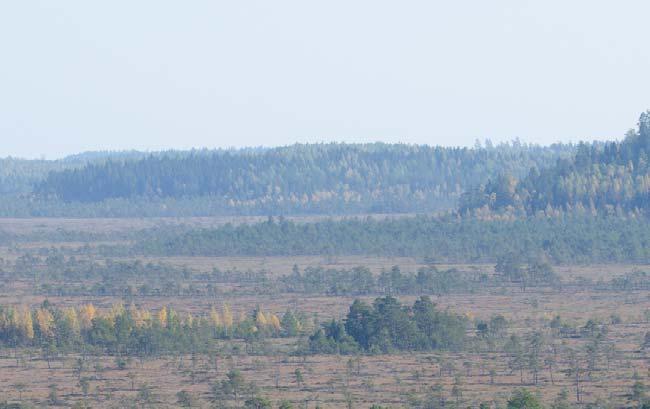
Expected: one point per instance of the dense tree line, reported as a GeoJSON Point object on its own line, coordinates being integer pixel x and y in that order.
{"type": "Point", "coordinates": [381, 327]}
{"type": "Point", "coordinates": [321, 178]}
{"type": "Point", "coordinates": [575, 238]}
{"type": "Point", "coordinates": [134, 331]}
{"type": "Point", "coordinates": [609, 177]}
{"type": "Point", "coordinates": [387, 325]}
{"type": "Point", "coordinates": [360, 281]}
{"type": "Point", "coordinates": [131, 280]}
{"type": "Point", "coordinates": [55, 266]}
{"type": "Point", "coordinates": [510, 271]}
{"type": "Point", "coordinates": [426, 280]}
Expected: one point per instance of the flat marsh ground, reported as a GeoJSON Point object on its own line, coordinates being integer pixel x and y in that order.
{"type": "Point", "coordinates": [480, 373]}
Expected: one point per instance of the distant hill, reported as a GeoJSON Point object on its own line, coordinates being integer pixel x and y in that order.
{"type": "Point", "coordinates": [610, 177]}
{"type": "Point", "coordinates": [18, 176]}
{"type": "Point", "coordinates": [98, 156]}
{"type": "Point", "coordinates": [312, 178]}
{"type": "Point", "coordinates": [102, 156]}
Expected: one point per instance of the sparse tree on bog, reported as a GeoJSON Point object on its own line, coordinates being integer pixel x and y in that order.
{"type": "Point", "coordinates": [524, 399]}
{"type": "Point", "coordinates": [299, 377]}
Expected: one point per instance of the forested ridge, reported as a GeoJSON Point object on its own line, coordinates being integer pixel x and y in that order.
{"type": "Point", "coordinates": [515, 178]}
{"type": "Point", "coordinates": [610, 177]}
{"type": "Point", "coordinates": [313, 178]}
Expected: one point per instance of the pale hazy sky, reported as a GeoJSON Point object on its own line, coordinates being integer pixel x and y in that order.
{"type": "Point", "coordinates": [89, 75]}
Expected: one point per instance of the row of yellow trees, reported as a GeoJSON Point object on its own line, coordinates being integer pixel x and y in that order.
{"type": "Point", "coordinates": [42, 322]}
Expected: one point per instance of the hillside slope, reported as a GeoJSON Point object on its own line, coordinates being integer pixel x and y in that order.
{"type": "Point", "coordinates": [612, 177]}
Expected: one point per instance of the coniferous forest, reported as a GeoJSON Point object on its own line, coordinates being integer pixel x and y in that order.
{"type": "Point", "coordinates": [614, 177]}
{"type": "Point", "coordinates": [298, 179]}
{"type": "Point", "coordinates": [611, 177]}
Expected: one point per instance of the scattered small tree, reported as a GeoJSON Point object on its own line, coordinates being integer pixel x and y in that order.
{"type": "Point", "coordinates": [523, 399]}
{"type": "Point", "coordinates": [257, 402]}
{"type": "Point", "coordinates": [299, 377]}
{"type": "Point", "coordinates": [53, 395]}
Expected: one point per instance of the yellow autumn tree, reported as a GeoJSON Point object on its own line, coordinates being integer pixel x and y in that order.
{"type": "Point", "coordinates": [215, 320]}
{"type": "Point", "coordinates": [24, 323]}
{"type": "Point", "coordinates": [45, 322]}
{"type": "Point", "coordinates": [145, 317]}
{"type": "Point", "coordinates": [260, 319]}
{"type": "Point", "coordinates": [135, 315]}
{"type": "Point", "coordinates": [189, 320]}
{"type": "Point", "coordinates": [227, 316]}
{"type": "Point", "coordinates": [4, 320]}
{"type": "Point", "coordinates": [116, 310]}
{"type": "Point", "coordinates": [70, 316]}
{"type": "Point", "coordinates": [141, 317]}
{"type": "Point", "coordinates": [162, 317]}
{"type": "Point", "coordinates": [87, 313]}
{"type": "Point", "coordinates": [275, 322]}
{"type": "Point", "coordinates": [172, 317]}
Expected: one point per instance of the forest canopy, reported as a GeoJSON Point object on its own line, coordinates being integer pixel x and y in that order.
{"type": "Point", "coordinates": [562, 239]}
{"type": "Point", "coordinates": [313, 178]}
{"type": "Point", "coordinates": [614, 176]}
